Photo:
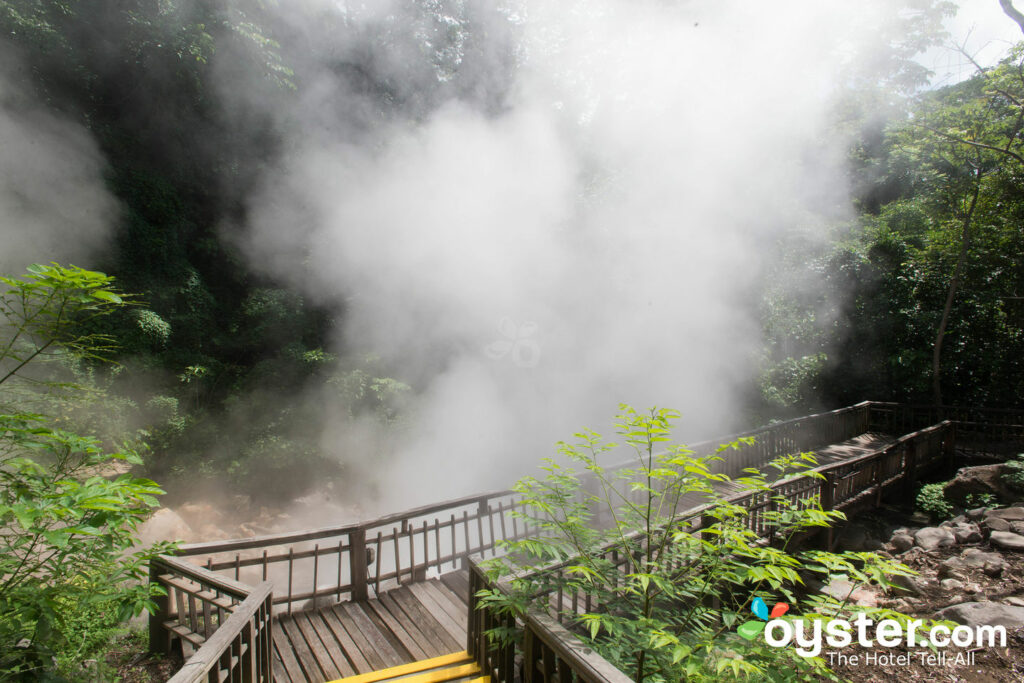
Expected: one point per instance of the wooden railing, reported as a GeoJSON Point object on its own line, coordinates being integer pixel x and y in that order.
{"type": "Point", "coordinates": [208, 582]}
{"type": "Point", "coordinates": [994, 432]}
{"type": "Point", "coordinates": [359, 561]}
{"type": "Point", "coordinates": [227, 623]}
{"type": "Point", "coordinates": [550, 651]}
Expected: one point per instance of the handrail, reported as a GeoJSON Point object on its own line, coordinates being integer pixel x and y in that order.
{"type": "Point", "coordinates": [242, 643]}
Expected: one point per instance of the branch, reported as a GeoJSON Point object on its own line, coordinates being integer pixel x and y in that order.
{"type": "Point", "coordinates": [1012, 12]}
{"type": "Point", "coordinates": [972, 143]}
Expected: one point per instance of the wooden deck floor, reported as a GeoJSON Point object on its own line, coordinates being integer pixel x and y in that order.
{"type": "Point", "coordinates": [405, 624]}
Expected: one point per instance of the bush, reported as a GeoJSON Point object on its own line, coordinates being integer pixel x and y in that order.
{"type": "Point", "coordinates": [68, 522]}
{"type": "Point", "coordinates": [1013, 474]}
{"type": "Point", "coordinates": [680, 609]}
{"type": "Point", "coordinates": [931, 499]}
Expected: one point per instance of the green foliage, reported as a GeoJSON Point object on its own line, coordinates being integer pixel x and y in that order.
{"type": "Point", "coordinates": [69, 521]}
{"type": "Point", "coordinates": [931, 499]}
{"type": "Point", "coordinates": [1013, 474]}
{"type": "Point", "coordinates": [671, 612]}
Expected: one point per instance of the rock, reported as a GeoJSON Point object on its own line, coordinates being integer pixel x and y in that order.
{"type": "Point", "coordinates": [993, 570]}
{"type": "Point", "coordinates": [1017, 527]}
{"type": "Point", "coordinates": [1007, 540]}
{"type": "Point", "coordinates": [980, 480]}
{"type": "Point", "coordinates": [977, 559]}
{"type": "Point", "coordinates": [920, 518]}
{"type": "Point", "coordinates": [976, 515]}
{"type": "Point", "coordinates": [853, 537]}
{"type": "Point", "coordinates": [996, 524]}
{"type": "Point", "coordinates": [966, 532]}
{"type": "Point", "coordinates": [872, 544]}
{"type": "Point", "coordinates": [951, 585]}
{"type": "Point", "coordinates": [858, 595]}
{"type": "Point", "coordinates": [164, 525]}
{"type": "Point", "coordinates": [902, 542]}
{"type": "Point", "coordinates": [907, 584]}
{"type": "Point", "coordinates": [973, 588]}
{"type": "Point", "coordinates": [1012, 514]}
{"type": "Point", "coordinates": [903, 606]}
{"type": "Point", "coordinates": [931, 538]}
{"type": "Point", "coordinates": [984, 613]}
{"type": "Point", "coordinates": [953, 568]}
{"type": "Point", "coordinates": [1014, 600]}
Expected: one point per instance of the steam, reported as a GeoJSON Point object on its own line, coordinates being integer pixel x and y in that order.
{"type": "Point", "coordinates": [572, 215]}
{"type": "Point", "coordinates": [53, 202]}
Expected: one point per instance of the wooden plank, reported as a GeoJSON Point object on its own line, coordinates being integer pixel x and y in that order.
{"type": "Point", "coordinates": [428, 643]}
{"type": "Point", "coordinates": [356, 654]}
{"type": "Point", "coordinates": [435, 605]}
{"type": "Point", "coordinates": [316, 646]}
{"type": "Point", "coordinates": [426, 622]}
{"type": "Point", "coordinates": [287, 656]}
{"type": "Point", "coordinates": [458, 582]}
{"type": "Point", "coordinates": [458, 606]}
{"type": "Point", "coordinates": [365, 612]}
{"type": "Point", "coordinates": [392, 626]}
{"type": "Point", "coordinates": [319, 622]}
{"type": "Point", "coordinates": [382, 645]}
{"type": "Point", "coordinates": [301, 649]}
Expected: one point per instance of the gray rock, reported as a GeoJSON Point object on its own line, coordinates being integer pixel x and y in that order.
{"type": "Point", "coordinates": [965, 532]}
{"type": "Point", "coordinates": [1007, 540]}
{"type": "Point", "coordinates": [1014, 600]}
{"type": "Point", "coordinates": [997, 524]}
{"type": "Point", "coordinates": [906, 584]}
{"type": "Point", "coordinates": [953, 568]}
{"type": "Point", "coordinates": [976, 515]}
{"type": "Point", "coordinates": [951, 585]}
{"type": "Point", "coordinates": [973, 557]}
{"type": "Point", "coordinates": [1014, 514]}
{"type": "Point", "coordinates": [994, 569]}
{"type": "Point", "coordinates": [979, 480]}
{"type": "Point", "coordinates": [902, 542]}
{"type": "Point", "coordinates": [1017, 527]}
{"type": "Point", "coordinates": [853, 537]}
{"type": "Point", "coordinates": [982, 613]}
{"type": "Point", "coordinates": [931, 538]}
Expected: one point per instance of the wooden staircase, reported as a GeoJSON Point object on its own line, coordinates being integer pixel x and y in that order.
{"type": "Point", "coordinates": [457, 667]}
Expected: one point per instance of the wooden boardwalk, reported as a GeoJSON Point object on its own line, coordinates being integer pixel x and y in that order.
{"type": "Point", "coordinates": [410, 623]}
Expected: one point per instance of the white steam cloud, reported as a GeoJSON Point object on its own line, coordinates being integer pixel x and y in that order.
{"type": "Point", "coordinates": [53, 202]}
{"type": "Point", "coordinates": [597, 238]}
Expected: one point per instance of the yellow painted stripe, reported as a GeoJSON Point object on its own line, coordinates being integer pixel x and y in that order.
{"type": "Point", "coordinates": [406, 669]}
{"type": "Point", "coordinates": [442, 675]}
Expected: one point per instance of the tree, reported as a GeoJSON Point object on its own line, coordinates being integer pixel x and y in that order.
{"type": "Point", "coordinates": [673, 608]}
{"type": "Point", "coordinates": [68, 522]}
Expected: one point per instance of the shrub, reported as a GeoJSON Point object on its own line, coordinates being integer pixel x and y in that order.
{"type": "Point", "coordinates": [1013, 474]}
{"type": "Point", "coordinates": [931, 499]}
{"type": "Point", "coordinates": [677, 609]}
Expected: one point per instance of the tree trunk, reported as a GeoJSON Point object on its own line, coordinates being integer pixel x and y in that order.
{"type": "Point", "coordinates": [954, 284]}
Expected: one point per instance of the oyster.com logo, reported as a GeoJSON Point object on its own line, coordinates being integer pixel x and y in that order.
{"type": "Point", "coordinates": [810, 636]}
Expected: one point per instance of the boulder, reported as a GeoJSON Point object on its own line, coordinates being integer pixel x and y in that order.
{"type": "Point", "coordinates": [1014, 600]}
{"type": "Point", "coordinates": [853, 537]}
{"type": "Point", "coordinates": [953, 568]}
{"type": "Point", "coordinates": [984, 613]}
{"type": "Point", "coordinates": [930, 538]}
{"type": "Point", "coordinates": [951, 585]}
{"type": "Point", "coordinates": [906, 584]}
{"type": "Point", "coordinates": [902, 542]}
{"type": "Point", "coordinates": [980, 480]}
{"type": "Point", "coordinates": [966, 532]}
{"type": "Point", "coordinates": [1007, 540]}
{"type": "Point", "coordinates": [996, 524]}
{"type": "Point", "coordinates": [1010, 514]}
{"type": "Point", "coordinates": [976, 515]}
{"type": "Point", "coordinates": [977, 559]}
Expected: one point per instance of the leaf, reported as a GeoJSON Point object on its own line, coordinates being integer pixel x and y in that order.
{"type": "Point", "coordinates": [751, 629]}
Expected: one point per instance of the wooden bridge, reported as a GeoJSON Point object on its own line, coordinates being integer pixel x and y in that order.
{"type": "Point", "coordinates": [394, 598]}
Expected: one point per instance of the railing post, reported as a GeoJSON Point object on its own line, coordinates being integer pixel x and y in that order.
{"type": "Point", "coordinates": [159, 637]}
{"type": "Point", "coordinates": [910, 469]}
{"type": "Point", "coordinates": [357, 564]}
{"type": "Point", "coordinates": [827, 500]}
